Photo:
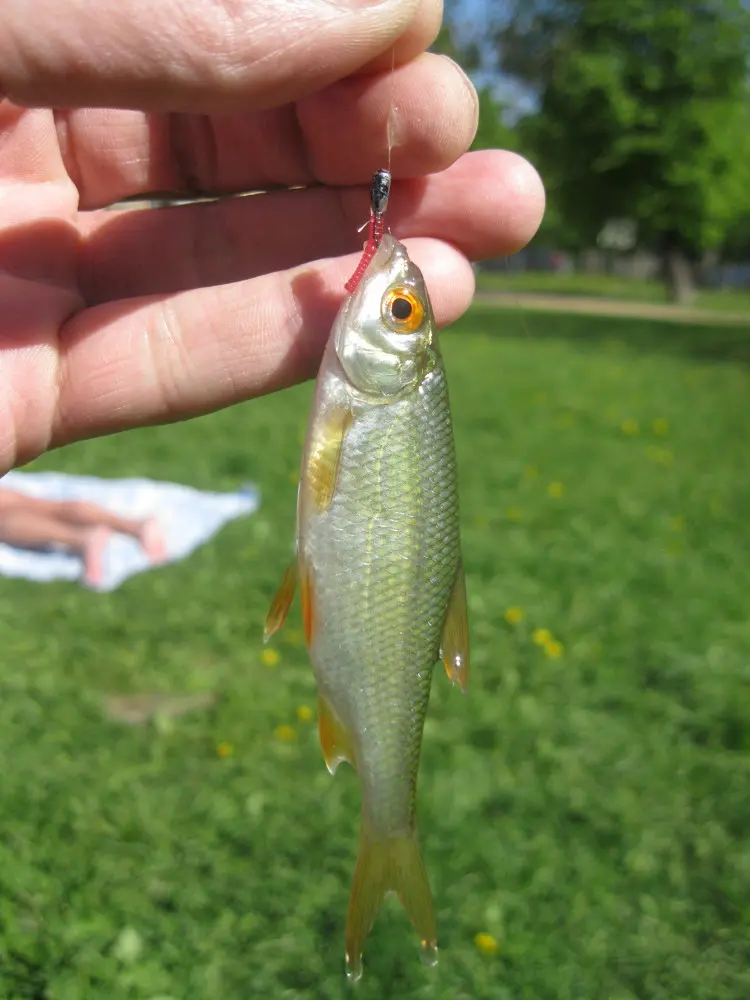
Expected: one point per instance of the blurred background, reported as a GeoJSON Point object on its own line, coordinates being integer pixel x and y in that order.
{"type": "Point", "coordinates": [636, 114]}
{"type": "Point", "coordinates": [168, 830]}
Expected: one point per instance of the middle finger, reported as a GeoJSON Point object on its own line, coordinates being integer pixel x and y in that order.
{"type": "Point", "coordinates": [488, 204]}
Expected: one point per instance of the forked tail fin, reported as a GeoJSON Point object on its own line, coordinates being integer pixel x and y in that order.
{"type": "Point", "coordinates": [389, 865]}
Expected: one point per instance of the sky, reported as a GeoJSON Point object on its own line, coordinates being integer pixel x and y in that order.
{"type": "Point", "coordinates": [473, 18]}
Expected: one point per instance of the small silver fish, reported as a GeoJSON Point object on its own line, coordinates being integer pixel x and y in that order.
{"type": "Point", "coordinates": [379, 564]}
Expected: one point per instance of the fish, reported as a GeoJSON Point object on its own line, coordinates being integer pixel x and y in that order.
{"type": "Point", "coordinates": [378, 562]}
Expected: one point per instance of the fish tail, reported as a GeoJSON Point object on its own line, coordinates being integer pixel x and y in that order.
{"type": "Point", "coordinates": [389, 864]}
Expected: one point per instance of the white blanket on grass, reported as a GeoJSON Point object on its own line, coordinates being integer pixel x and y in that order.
{"type": "Point", "coordinates": [188, 518]}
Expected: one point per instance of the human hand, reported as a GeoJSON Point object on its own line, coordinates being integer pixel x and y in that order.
{"type": "Point", "coordinates": [110, 319]}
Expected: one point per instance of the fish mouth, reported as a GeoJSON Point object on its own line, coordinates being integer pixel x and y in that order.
{"type": "Point", "coordinates": [389, 252]}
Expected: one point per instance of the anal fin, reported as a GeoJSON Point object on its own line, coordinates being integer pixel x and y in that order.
{"type": "Point", "coordinates": [281, 602]}
{"type": "Point", "coordinates": [454, 646]}
{"type": "Point", "coordinates": [334, 739]}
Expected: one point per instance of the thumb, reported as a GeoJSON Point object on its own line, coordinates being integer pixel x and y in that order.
{"type": "Point", "coordinates": [194, 55]}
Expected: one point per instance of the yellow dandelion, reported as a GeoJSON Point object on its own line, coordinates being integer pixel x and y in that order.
{"type": "Point", "coordinates": [514, 615]}
{"type": "Point", "coordinates": [660, 426]}
{"type": "Point", "coordinates": [629, 426]}
{"type": "Point", "coordinates": [677, 523]}
{"type": "Point", "coordinates": [556, 490]}
{"type": "Point", "coordinates": [224, 750]}
{"type": "Point", "coordinates": [269, 657]}
{"type": "Point", "coordinates": [486, 943]}
{"type": "Point", "coordinates": [531, 472]}
{"type": "Point", "coordinates": [514, 514]}
{"type": "Point", "coordinates": [553, 649]}
{"type": "Point", "coordinates": [304, 713]}
{"type": "Point", "coordinates": [284, 734]}
{"type": "Point", "coordinates": [541, 636]}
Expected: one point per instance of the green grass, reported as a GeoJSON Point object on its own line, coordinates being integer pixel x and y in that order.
{"type": "Point", "coordinates": [605, 286]}
{"type": "Point", "coordinates": [589, 811]}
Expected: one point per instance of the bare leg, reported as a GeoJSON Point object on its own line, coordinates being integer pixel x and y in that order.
{"type": "Point", "coordinates": [81, 514]}
{"type": "Point", "coordinates": [34, 529]}
{"type": "Point", "coordinates": [152, 540]}
{"type": "Point", "coordinates": [72, 511]}
{"type": "Point", "coordinates": [148, 532]}
{"type": "Point", "coordinates": [12, 498]}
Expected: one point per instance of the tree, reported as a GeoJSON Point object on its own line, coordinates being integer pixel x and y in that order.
{"type": "Point", "coordinates": [643, 113]}
{"type": "Point", "coordinates": [493, 131]}
{"type": "Point", "coordinates": [736, 247]}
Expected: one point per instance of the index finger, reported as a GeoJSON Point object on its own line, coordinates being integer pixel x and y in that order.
{"type": "Point", "coordinates": [202, 56]}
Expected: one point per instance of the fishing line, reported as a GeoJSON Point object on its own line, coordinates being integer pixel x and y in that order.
{"type": "Point", "coordinates": [380, 189]}
{"type": "Point", "coordinates": [391, 108]}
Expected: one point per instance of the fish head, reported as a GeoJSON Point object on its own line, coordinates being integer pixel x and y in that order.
{"type": "Point", "coordinates": [385, 336]}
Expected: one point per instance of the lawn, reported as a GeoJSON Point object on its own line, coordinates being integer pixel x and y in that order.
{"type": "Point", "coordinates": [585, 807]}
{"type": "Point", "coordinates": [608, 286]}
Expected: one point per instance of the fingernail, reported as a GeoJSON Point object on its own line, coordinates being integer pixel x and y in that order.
{"type": "Point", "coordinates": [471, 89]}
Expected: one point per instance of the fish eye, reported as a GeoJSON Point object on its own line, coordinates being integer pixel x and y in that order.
{"type": "Point", "coordinates": [402, 311]}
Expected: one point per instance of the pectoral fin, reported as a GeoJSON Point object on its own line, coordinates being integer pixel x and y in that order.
{"type": "Point", "coordinates": [454, 646]}
{"type": "Point", "coordinates": [281, 603]}
{"type": "Point", "coordinates": [324, 459]}
{"type": "Point", "coordinates": [334, 739]}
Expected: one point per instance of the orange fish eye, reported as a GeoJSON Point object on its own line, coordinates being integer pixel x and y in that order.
{"type": "Point", "coordinates": [402, 310]}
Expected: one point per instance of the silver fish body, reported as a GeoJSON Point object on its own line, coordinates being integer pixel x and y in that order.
{"type": "Point", "coordinates": [383, 558]}
{"type": "Point", "coordinates": [379, 561]}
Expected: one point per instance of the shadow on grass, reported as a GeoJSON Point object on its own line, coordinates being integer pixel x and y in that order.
{"type": "Point", "coordinates": [706, 343]}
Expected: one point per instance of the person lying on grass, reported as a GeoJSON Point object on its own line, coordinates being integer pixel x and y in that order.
{"type": "Point", "coordinates": [76, 525]}
{"type": "Point", "coordinates": [110, 320]}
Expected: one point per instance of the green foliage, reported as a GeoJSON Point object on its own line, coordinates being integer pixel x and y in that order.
{"type": "Point", "coordinates": [644, 112]}
{"type": "Point", "coordinates": [493, 132]}
{"type": "Point", "coordinates": [737, 245]}
{"type": "Point", "coordinates": [588, 810]}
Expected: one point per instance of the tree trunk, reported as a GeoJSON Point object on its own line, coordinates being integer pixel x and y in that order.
{"type": "Point", "coordinates": [705, 267]}
{"type": "Point", "coordinates": [679, 276]}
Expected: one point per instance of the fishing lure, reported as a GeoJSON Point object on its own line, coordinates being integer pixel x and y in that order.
{"type": "Point", "coordinates": [379, 564]}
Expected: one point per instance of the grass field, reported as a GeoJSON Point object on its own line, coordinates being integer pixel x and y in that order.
{"type": "Point", "coordinates": [585, 807]}
{"type": "Point", "coordinates": [607, 286]}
